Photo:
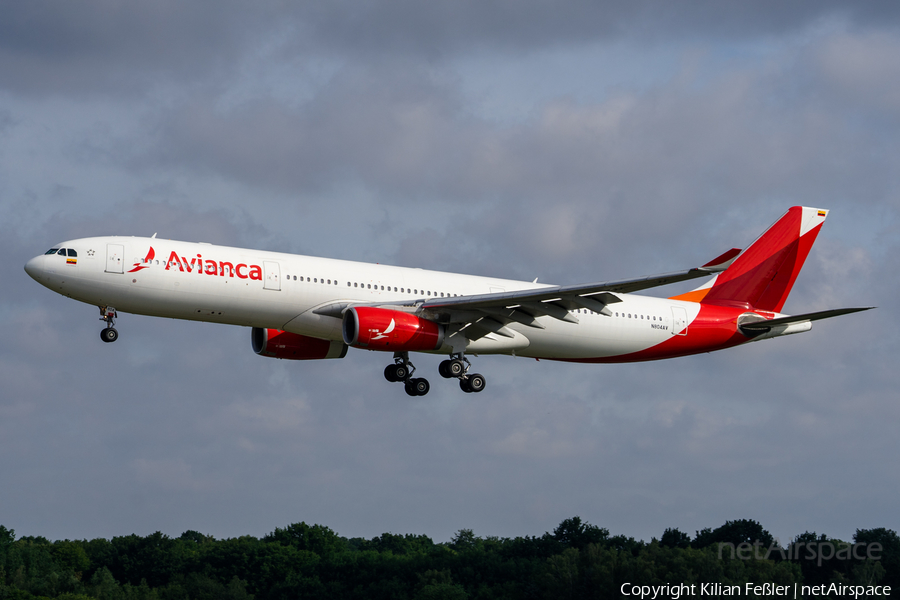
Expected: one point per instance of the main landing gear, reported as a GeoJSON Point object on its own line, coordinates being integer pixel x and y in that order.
{"type": "Point", "coordinates": [402, 370]}
{"type": "Point", "coordinates": [108, 314]}
{"type": "Point", "coordinates": [458, 366]}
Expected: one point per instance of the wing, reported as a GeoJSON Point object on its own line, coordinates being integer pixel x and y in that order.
{"type": "Point", "coordinates": [485, 314]}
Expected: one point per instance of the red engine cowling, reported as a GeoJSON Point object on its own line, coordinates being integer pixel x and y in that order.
{"type": "Point", "coordinates": [393, 330]}
{"type": "Point", "coordinates": [293, 346]}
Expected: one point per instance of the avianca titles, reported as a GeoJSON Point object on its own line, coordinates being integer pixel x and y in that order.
{"type": "Point", "coordinates": [307, 308]}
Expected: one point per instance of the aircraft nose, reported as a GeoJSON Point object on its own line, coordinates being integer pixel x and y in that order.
{"type": "Point", "coordinates": [35, 267]}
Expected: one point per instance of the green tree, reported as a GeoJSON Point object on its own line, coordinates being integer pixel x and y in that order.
{"type": "Point", "coordinates": [576, 534]}
{"type": "Point", "coordinates": [313, 538]}
{"type": "Point", "coordinates": [71, 555]}
{"type": "Point", "coordinates": [104, 586]}
{"type": "Point", "coordinates": [438, 585]}
{"type": "Point", "coordinates": [735, 532]}
{"type": "Point", "coordinates": [673, 538]}
{"type": "Point", "coordinates": [890, 552]}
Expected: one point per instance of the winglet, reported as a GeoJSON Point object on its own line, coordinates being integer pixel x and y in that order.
{"type": "Point", "coordinates": [715, 266]}
{"type": "Point", "coordinates": [721, 262]}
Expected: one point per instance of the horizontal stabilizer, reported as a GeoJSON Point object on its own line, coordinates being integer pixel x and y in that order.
{"type": "Point", "coordinates": [757, 327]}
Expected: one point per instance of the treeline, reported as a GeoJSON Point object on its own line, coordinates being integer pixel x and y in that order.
{"type": "Point", "coordinates": [576, 560]}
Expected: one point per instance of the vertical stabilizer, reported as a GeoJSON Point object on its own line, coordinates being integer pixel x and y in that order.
{"type": "Point", "coordinates": [762, 275]}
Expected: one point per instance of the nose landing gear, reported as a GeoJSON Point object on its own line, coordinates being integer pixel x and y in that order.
{"type": "Point", "coordinates": [109, 333]}
{"type": "Point", "coordinates": [402, 370]}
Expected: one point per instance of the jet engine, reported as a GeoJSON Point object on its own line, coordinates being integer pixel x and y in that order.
{"type": "Point", "coordinates": [276, 343]}
{"type": "Point", "coordinates": [392, 330]}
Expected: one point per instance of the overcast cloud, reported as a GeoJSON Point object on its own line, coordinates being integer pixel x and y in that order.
{"type": "Point", "coordinates": [518, 139]}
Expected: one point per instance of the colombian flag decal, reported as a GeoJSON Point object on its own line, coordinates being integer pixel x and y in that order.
{"type": "Point", "coordinates": [821, 213]}
{"type": "Point", "coordinates": [71, 261]}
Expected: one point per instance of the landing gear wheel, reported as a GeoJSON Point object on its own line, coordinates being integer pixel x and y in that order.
{"type": "Point", "coordinates": [451, 368]}
{"type": "Point", "coordinates": [109, 334]}
{"type": "Point", "coordinates": [476, 382]}
{"type": "Point", "coordinates": [401, 372]}
{"type": "Point", "coordinates": [390, 373]}
{"type": "Point", "coordinates": [464, 386]}
{"type": "Point", "coordinates": [417, 387]}
{"type": "Point", "coordinates": [444, 370]}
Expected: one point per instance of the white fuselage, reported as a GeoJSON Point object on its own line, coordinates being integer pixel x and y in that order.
{"type": "Point", "coordinates": [254, 288]}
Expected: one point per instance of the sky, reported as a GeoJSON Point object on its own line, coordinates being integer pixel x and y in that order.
{"type": "Point", "coordinates": [573, 143]}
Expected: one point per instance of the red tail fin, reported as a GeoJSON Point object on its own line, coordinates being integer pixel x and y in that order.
{"type": "Point", "coordinates": [763, 275]}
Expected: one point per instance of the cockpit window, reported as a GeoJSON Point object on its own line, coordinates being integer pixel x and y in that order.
{"type": "Point", "coordinates": [62, 252]}
{"type": "Point", "coordinates": [52, 251]}
{"type": "Point", "coordinates": [70, 252]}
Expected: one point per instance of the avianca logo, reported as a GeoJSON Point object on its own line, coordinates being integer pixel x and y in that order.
{"type": "Point", "coordinates": [383, 335]}
{"type": "Point", "coordinates": [203, 266]}
{"type": "Point", "coordinates": [145, 263]}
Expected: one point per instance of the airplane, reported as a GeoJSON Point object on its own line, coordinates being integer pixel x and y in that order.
{"type": "Point", "coordinates": [309, 308]}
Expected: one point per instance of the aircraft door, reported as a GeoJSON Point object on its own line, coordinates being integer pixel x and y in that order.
{"type": "Point", "coordinates": [114, 256]}
{"type": "Point", "coordinates": [272, 275]}
{"type": "Point", "coordinates": [679, 321]}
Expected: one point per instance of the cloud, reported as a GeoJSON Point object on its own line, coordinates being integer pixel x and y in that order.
{"type": "Point", "coordinates": [116, 48]}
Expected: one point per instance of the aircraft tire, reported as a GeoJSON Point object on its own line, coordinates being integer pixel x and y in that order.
{"type": "Point", "coordinates": [417, 387]}
{"type": "Point", "coordinates": [444, 370]}
{"type": "Point", "coordinates": [456, 368]}
{"type": "Point", "coordinates": [401, 372]}
{"type": "Point", "coordinates": [390, 373]}
{"type": "Point", "coordinates": [476, 382]}
{"type": "Point", "coordinates": [421, 386]}
{"type": "Point", "coordinates": [464, 386]}
{"type": "Point", "coordinates": [109, 334]}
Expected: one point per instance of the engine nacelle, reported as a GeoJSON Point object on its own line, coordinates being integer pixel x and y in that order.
{"type": "Point", "coordinates": [392, 330]}
{"type": "Point", "coordinates": [293, 346]}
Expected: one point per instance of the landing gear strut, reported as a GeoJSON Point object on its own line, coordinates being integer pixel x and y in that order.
{"type": "Point", "coordinates": [402, 370]}
{"type": "Point", "coordinates": [458, 366]}
{"type": "Point", "coordinates": [108, 314]}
